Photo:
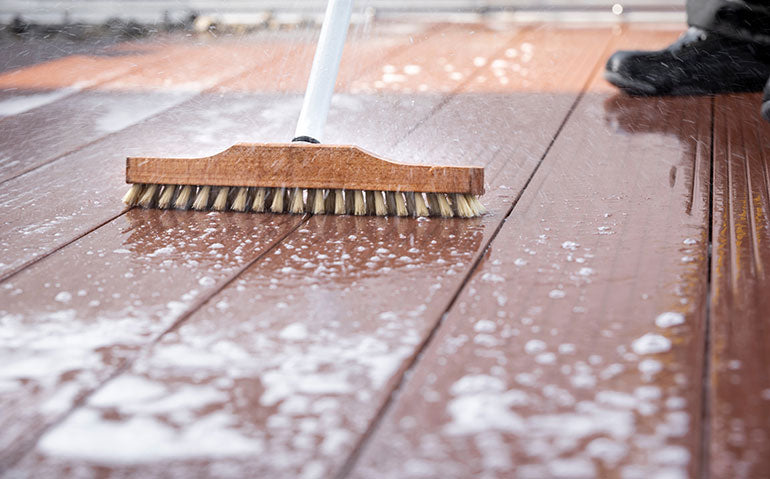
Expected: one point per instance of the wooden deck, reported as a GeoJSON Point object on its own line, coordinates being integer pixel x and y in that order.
{"type": "Point", "coordinates": [607, 318]}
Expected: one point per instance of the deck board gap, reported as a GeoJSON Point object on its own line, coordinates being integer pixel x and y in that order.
{"type": "Point", "coordinates": [13, 272]}
{"type": "Point", "coordinates": [705, 381]}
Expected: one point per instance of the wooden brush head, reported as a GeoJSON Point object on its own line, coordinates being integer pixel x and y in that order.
{"type": "Point", "coordinates": [304, 165]}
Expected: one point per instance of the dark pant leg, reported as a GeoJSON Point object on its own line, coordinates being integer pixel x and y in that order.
{"type": "Point", "coordinates": [735, 18]}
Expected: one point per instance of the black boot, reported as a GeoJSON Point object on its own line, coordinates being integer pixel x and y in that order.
{"type": "Point", "coordinates": [699, 63]}
{"type": "Point", "coordinates": [766, 101]}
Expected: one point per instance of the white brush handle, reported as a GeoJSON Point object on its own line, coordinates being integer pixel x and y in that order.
{"type": "Point", "coordinates": [326, 65]}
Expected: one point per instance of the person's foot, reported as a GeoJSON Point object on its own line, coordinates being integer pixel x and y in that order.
{"type": "Point", "coordinates": [699, 63]}
{"type": "Point", "coordinates": [766, 101]}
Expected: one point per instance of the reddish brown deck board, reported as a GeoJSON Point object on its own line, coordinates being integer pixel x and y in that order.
{"type": "Point", "coordinates": [82, 71]}
{"type": "Point", "coordinates": [739, 381]}
{"type": "Point", "coordinates": [39, 136]}
{"type": "Point", "coordinates": [293, 360]}
{"type": "Point", "coordinates": [26, 88]}
{"type": "Point", "coordinates": [563, 356]}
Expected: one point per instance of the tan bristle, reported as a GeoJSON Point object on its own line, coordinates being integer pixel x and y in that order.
{"type": "Point", "coordinates": [435, 210]}
{"type": "Point", "coordinates": [370, 203]}
{"type": "Point", "coordinates": [220, 202]}
{"type": "Point", "coordinates": [359, 207]}
{"type": "Point", "coordinates": [279, 196]}
{"type": "Point", "coordinates": [318, 207]}
{"type": "Point", "coordinates": [241, 197]}
{"type": "Point", "coordinates": [475, 204]}
{"type": "Point", "coordinates": [133, 194]}
{"type": "Point", "coordinates": [379, 204]}
{"type": "Point", "coordinates": [148, 196]}
{"type": "Point", "coordinates": [421, 209]}
{"type": "Point", "coordinates": [444, 208]}
{"type": "Point", "coordinates": [401, 209]}
{"type": "Point", "coordinates": [339, 203]}
{"type": "Point", "coordinates": [462, 208]}
{"type": "Point", "coordinates": [202, 198]}
{"type": "Point", "coordinates": [166, 197]}
{"type": "Point", "coordinates": [183, 198]}
{"type": "Point", "coordinates": [260, 197]}
{"type": "Point", "coordinates": [296, 201]}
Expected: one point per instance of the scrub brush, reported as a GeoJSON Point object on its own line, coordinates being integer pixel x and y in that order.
{"type": "Point", "coordinates": [305, 176]}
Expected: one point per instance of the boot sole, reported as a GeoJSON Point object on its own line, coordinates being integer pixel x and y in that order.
{"type": "Point", "coordinates": [630, 85]}
{"type": "Point", "coordinates": [640, 88]}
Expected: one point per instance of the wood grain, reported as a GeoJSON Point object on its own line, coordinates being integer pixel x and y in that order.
{"type": "Point", "coordinates": [739, 380]}
{"type": "Point", "coordinates": [300, 165]}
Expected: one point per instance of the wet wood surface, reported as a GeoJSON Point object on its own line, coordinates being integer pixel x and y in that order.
{"type": "Point", "coordinates": [739, 383]}
{"type": "Point", "coordinates": [563, 334]}
{"type": "Point", "coordinates": [50, 132]}
{"type": "Point", "coordinates": [429, 258]}
{"type": "Point", "coordinates": [575, 349]}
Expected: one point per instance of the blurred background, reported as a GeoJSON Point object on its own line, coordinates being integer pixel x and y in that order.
{"type": "Point", "coordinates": [33, 31]}
{"type": "Point", "coordinates": [273, 12]}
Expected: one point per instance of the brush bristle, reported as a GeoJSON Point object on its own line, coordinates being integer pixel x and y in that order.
{"type": "Point", "coordinates": [401, 209]}
{"type": "Point", "coordinates": [390, 202]}
{"type": "Point", "coordinates": [148, 196]}
{"type": "Point", "coordinates": [319, 206]}
{"type": "Point", "coordinates": [167, 197]}
{"type": "Point", "coordinates": [410, 203]}
{"type": "Point", "coordinates": [183, 198]}
{"type": "Point", "coordinates": [202, 198]}
{"type": "Point", "coordinates": [439, 205]}
{"type": "Point", "coordinates": [133, 194]}
{"type": "Point", "coordinates": [220, 202]}
{"type": "Point", "coordinates": [420, 208]}
{"type": "Point", "coordinates": [339, 202]}
{"type": "Point", "coordinates": [461, 206]}
{"type": "Point", "coordinates": [260, 199]}
{"type": "Point", "coordinates": [350, 202]}
{"type": "Point", "coordinates": [279, 196]}
{"type": "Point", "coordinates": [296, 201]}
{"type": "Point", "coordinates": [359, 207]}
{"type": "Point", "coordinates": [379, 204]}
{"type": "Point", "coordinates": [370, 202]}
{"type": "Point", "coordinates": [444, 208]}
{"type": "Point", "coordinates": [240, 200]}
{"type": "Point", "coordinates": [330, 202]}
{"type": "Point", "coordinates": [433, 204]}
{"type": "Point", "coordinates": [475, 204]}
{"type": "Point", "coordinates": [313, 200]}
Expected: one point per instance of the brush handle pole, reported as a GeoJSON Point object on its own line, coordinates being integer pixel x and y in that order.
{"type": "Point", "coordinates": [323, 75]}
